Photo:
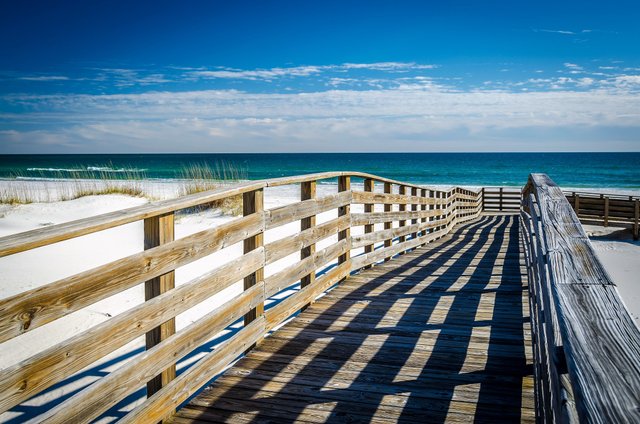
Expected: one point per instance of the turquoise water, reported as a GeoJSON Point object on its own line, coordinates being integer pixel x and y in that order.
{"type": "Point", "coordinates": [596, 170]}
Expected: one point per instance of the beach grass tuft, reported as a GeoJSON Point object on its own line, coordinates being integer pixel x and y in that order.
{"type": "Point", "coordinates": [197, 178]}
{"type": "Point", "coordinates": [25, 189]}
{"type": "Point", "coordinates": [194, 178]}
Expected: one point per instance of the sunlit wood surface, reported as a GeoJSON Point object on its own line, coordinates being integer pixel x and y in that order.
{"type": "Point", "coordinates": [440, 334]}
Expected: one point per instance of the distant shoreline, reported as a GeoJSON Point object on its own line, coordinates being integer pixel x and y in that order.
{"type": "Point", "coordinates": [619, 171]}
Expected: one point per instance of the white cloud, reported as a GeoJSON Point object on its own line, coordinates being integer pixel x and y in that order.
{"type": "Point", "coordinates": [305, 71]}
{"type": "Point", "coordinates": [386, 66]}
{"type": "Point", "coordinates": [265, 74]}
{"type": "Point", "coordinates": [564, 32]}
{"type": "Point", "coordinates": [556, 31]}
{"type": "Point", "coordinates": [45, 78]}
{"type": "Point", "coordinates": [409, 118]}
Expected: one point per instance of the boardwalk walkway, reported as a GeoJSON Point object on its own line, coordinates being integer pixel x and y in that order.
{"type": "Point", "coordinates": [438, 334]}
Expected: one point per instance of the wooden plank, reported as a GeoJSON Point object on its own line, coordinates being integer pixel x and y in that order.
{"type": "Point", "coordinates": [636, 223]}
{"type": "Point", "coordinates": [39, 306]}
{"type": "Point", "coordinates": [157, 231]}
{"type": "Point", "coordinates": [307, 208]}
{"type": "Point", "coordinates": [307, 192]}
{"type": "Point", "coordinates": [381, 254]}
{"type": "Point", "coordinates": [368, 348]}
{"type": "Point", "coordinates": [365, 239]}
{"type": "Point", "coordinates": [402, 216]}
{"type": "Point", "coordinates": [368, 208]}
{"type": "Point", "coordinates": [89, 403]}
{"type": "Point", "coordinates": [253, 204]}
{"type": "Point", "coordinates": [181, 388]}
{"type": "Point", "coordinates": [414, 208]}
{"type": "Point", "coordinates": [306, 295]}
{"type": "Point", "coordinates": [280, 248]}
{"type": "Point", "coordinates": [55, 233]}
{"type": "Point", "coordinates": [21, 381]}
{"type": "Point", "coordinates": [606, 382]}
{"type": "Point", "coordinates": [291, 274]}
{"type": "Point", "coordinates": [392, 199]}
{"type": "Point", "coordinates": [387, 224]}
{"type": "Point", "coordinates": [402, 207]}
{"type": "Point", "coordinates": [344, 187]}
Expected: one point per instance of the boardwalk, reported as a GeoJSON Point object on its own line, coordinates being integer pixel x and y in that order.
{"type": "Point", "coordinates": [438, 334]}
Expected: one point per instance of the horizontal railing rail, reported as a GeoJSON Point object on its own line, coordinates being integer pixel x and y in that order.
{"type": "Point", "coordinates": [370, 222]}
{"type": "Point", "coordinates": [586, 345]}
{"type": "Point", "coordinates": [501, 199]}
{"type": "Point", "coordinates": [607, 209]}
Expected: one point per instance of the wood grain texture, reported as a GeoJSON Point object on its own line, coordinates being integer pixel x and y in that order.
{"type": "Point", "coordinates": [253, 204]}
{"type": "Point", "coordinates": [392, 199]}
{"type": "Point", "coordinates": [21, 381]}
{"type": "Point", "coordinates": [307, 192]}
{"type": "Point", "coordinates": [439, 347]}
{"type": "Point", "coordinates": [106, 392]}
{"type": "Point", "coordinates": [59, 232]}
{"type": "Point", "coordinates": [163, 255]}
{"type": "Point", "coordinates": [600, 342]}
{"type": "Point", "coordinates": [280, 248]}
{"type": "Point", "coordinates": [36, 307]}
{"type": "Point", "coordinates": [293, 273]}
{"type": "Point", "coordinates": [344, 186]}
{"type": "Point", "coordinates": [157, 231]}
{"type": "Point", "coordinates": [43, 236]}
{"type": "Point", "coordinates": [304, 209]}
{"type": "Point", "coordinates": [159, 406]}
{"type": "Point", "coordinates": [369, 187]}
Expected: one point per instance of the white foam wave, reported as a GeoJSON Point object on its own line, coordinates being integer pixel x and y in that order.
{"type": "Point", "coordinates": [88, 169]}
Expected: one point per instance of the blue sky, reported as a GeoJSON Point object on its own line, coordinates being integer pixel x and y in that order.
{"type": "Point", "coordinates": [276, 76]}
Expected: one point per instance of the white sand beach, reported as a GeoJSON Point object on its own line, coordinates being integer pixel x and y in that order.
{"type": "Point", "coordinates": [27, 270]}
{"type": "Point", "coordinates": [620, 255]}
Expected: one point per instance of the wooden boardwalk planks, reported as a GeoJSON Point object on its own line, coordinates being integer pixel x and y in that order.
{"type": "Point", "coordinates": [440, 334]}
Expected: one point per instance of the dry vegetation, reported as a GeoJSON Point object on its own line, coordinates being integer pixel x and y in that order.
{"type": "Point", "coordinates": [201, 177]}
{"type": "Point", "coordinates": [24, 189]}
{"type": "Point", "coordinates": [194, 178]}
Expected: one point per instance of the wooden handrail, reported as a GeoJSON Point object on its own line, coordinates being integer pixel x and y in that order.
{"type": "Point", "coordinates": [55, 233]}
{"type": "Point", "coordinates": [586, 345]}
{"type": "Point", "coordinates": [426, 214]}
{"type": "Point", "coordinates": [607, 209]}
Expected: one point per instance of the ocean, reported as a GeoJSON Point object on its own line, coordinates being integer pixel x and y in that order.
{"type": "Point", "coordinates": [576, 170]}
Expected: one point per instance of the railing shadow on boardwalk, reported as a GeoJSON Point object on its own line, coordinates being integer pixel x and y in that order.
{"type": "Point", "coordinates": [440, 366]}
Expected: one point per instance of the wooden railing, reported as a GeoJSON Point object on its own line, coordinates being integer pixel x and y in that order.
{"type": "Point", "coordinates": [396, 217]}
{"type": "Point", "coordinates": [607, 209]}
{"type": "Point", "coordinates": [501, 199]}
{"type": "Point", "coordinates": [586, 345]}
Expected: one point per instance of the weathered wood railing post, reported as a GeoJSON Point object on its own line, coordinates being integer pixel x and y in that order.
{"type": "Point", "coordinates": [253, 202]}
{"type": "Point", "coordinates": [442, 207]}
{"type": "Point", "coordinates": [606, 211]}
{"type": "Point", "coordinates": [414, 208]}
{"type": "Point", "coordinates": [636, 223]}
{"type": "Point", "coordinates": [307, 192]}
{"type": "Point", "coordinates": [576, 204]}
{"type": "Point", "coordinates": [423, 194]}
{"type": "Point", "coordinates": [482, 197]}
{"type": "Point", "coordinates": [501, 194]}
{"type": "Point", "coordinates": [159, 230]}
{"type": "Point", "coordinates": [368, 208]}
{"type": "Point", "coordinates": [344, 184]}
{"type": "Point", "coordinates": [402, 207]}
{"type": "Point", "coordinates": [389, 224]}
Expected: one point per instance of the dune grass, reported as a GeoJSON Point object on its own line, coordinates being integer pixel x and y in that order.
{"type": "Point", "coordinates": [193, 178]}
{"type": "Point", "coordinates": [197, 178]}
{"type": "Point", "coordinates": [38, 188]}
